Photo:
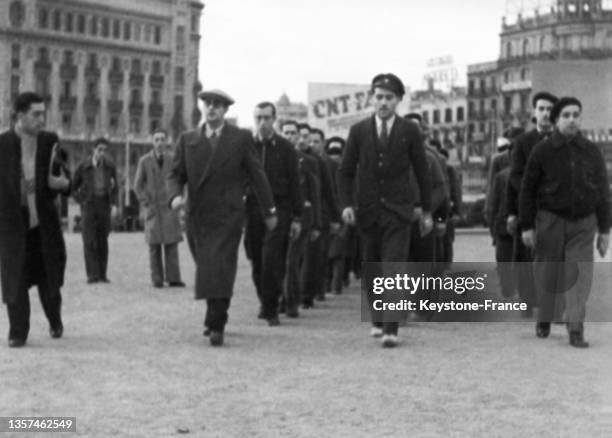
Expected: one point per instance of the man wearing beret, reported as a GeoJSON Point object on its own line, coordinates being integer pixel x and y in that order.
{"type": "Point", "coordinates": [522, 146]}
{"type": "Point", "coordinates": [379, 154]}
{"type": "Point", "coordinates": [563, 202]}
{"type": "Point", "coordinates": [214, 161]}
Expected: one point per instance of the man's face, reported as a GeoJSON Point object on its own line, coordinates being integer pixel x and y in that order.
{"type": "Point", "coordinates": [214, 111]}
{"type": "Point", "coordinates": [568, 122]}
{"type": "Point", "coordinates": [99, 151]}
{"type": "Point", "coordinates": [159, 142]}
{"type": "Point", "coordinates": [304, 139]}
{"type": "Point", "coordinates": [33, 120]}
{"type": "Point", "coordinates": [290, 132]}
{"type": "Point", "coordinates": [385, 103]}
{"type": "Point", "coordinates": [264, 121]}
{"type": "Point", "coordinates": [541, 113]}
{"type": "Point", "coordinates": [316, 142]}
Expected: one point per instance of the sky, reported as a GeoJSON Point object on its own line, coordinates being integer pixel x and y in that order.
{"type": "Point", "coordinates": [256, 50]}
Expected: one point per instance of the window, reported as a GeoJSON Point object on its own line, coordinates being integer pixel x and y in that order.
{"type": "Point", "coordinates": [136, 66]}
{"type": "Point", "coordinates": [525, 47]}
{"type": "Point", "coordinates": [67, 89]}
{"type": "Point", "coordinates": [471, 108]}
{"type": "Point", "coordinates": [57, 20]}
{"type": "Point", "coordinates": [17, 13]}
{"type": "Point", "coordinates": [116, 29]}
{"type": "Point", "coordinates": [137, 31]}
{"type": "Point", "coordinates": [493, 83]}
{"type": "Point", "coordinates": [66, 121]}
{"type": "Point", "coordinates": [116, 64]}
{"type": "Point", "coordinates": [92, 89]}
{"type": "Point", "coordinates": [460, 114]}
{"type": "Point", "coordinates": [69, 22]}
{"type": "Point", "coordinates": [482, 106]}
{"type": "Point", "coordinates": [42, 85]}
{"type": "Point", "coordinates": [147, 33]}
{"type": "Point", "coordinates": [157, 35]}
{"type": "Point", "coordinates": [105, 27]}
{"type": "Point", "coordinates": [93, 26]}
{"type": "Point", "coordinates": [81, 23]}
{"type": "Point", "coordinates": [92, 60]}
{"type": "Point", "coordinates": [43, 18]}
{"type": "Point", "coordinates": [507, 104]}
{"type": "Point", "coordinates": [482, 127]}
{"type": "Point", "coordinates": [179, 78]}
{"type": "Point", "coordinates": [68, 57]}
{"type": "Point", "coordinates": [114, 92]}
{"type": "Point", "coordinates": [135, 125]}
{"type": "Point", "coordinates": [425, 116]}
{"type": "Point", "coordinates": [524, 74]}
{"type": "Point", "coordinates": [509, 53]}
{"type": "Point", "coordinates": [471, 87]}
{"type": "Point", "coordinates": [494, 104]}
{"type": "Point", "coordinates": [14, 86]}
{"type": "Point", "coordinates": [156, 68]}
{"type": "Point", "coordinates": [195, 22]}
{"type": "Point", "coordinates": [448, 115]}
{"type": "Point", "coordinates": [180, 38]}
{"type": "Point", "coordinates": [483, 85]}
{"type": "Point", "coordinates": [436, 117]}
{"type": "Point", "coordinates": [154, 125]}
{"type": "Point", "coordinates": [90, 121]}
{"type": "Point", "coordinates": [113, 124]}
{"type": "Point", "coordinates": [542, 43]}
{"type": "Point", "coordinates": [15, 56]}
{"type": "Point", "coordinates": [155, 96]}
{"type": "Point", "coordinates": [506, 77]}
{"type": "Point", "coordinates": [135, 95]}
{"type": "Point", "coordinates": [524, 102]}
{"type": "Point", "coordinates": [43, 54]}
{"type": "Point", "coordinates": [127, 30]}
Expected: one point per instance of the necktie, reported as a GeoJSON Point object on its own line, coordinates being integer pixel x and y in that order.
{"type": "Point", "coordinates": [160, 161]}
{"type": "Point", "coordinates": [384, 133]}
{"type": "Point", "coordinates": [214, 139]}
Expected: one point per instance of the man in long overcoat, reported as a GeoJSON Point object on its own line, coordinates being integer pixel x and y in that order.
{"type": "Point", "coordinates": [162, 225]}
{"type": "Point", "coordinates": [32, 249]}
{"type": "Point", "coordinates": [214, 162]}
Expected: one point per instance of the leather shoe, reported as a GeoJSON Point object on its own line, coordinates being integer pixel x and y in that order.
{"type": "Point", "coordinates": [216, 338]}
{"type": "Point", "coordinates": [542, 329]}
{"type": "Point", "coordinates": [158, 285]}
{"type": "Point", "coordinates": [16, 343]}
{"type": "Point", "coordinates": [176, 284]}
{"type": "Point", "coordinates": [389, 341]}
{"type": "Point", "coordinates": [273, 322]}
{"type": "Point", "coordinates": [56, 332]}
{"type": "Point", "coordinates": [577, 340]}
{"type": "Point", "coordinates": [92, 280]}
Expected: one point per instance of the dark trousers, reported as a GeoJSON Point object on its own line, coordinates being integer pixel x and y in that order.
{"type": "Point", "coordinates": [504, 249]}
{"type": "Point", "coordinates": [448, 241]}
{"type": "Point", "coordinates": [387, 240]}
{"type": "Point", "coordinates": [523, 271]}
{"type": "Point", "coordinates": [216, 313]}
{"type": "Point", "coordinates": [563, 267]}
{"type": "Point", "coordinates": [314, 271]}
{"type": "Point", "coordinates": [335, 269]}
{"type": "Point", "coordinates": [268, 251]}
{"type": "Point", "coordinates": [33, 274]}
{"type": "Point", "coordinates": [172, 271]}
{"type": "Point", "coordinates": [293, 284]}
{"type": "Point", "coordinates": [424, 253]}
{"type": "Point", "coordinates": [96, 228]}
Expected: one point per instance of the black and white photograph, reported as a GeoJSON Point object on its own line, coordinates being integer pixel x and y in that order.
{"type": "Point", "coordinates": [267, 218]}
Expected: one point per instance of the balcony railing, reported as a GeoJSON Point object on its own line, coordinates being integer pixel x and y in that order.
{"type": "Point", "coordinates": [92, 72]}
{"type": "Point", "coordinates": [136, 79]}
{"type": "Point", "coordinates": [67, 103]}
{"type": "Point", "coordinates": [115, 76]}
{"type": "Point", "coordinates": [68, 71]}
{"type": "Point", "coordinates": [156, 109]}
{"type": "Point", "coordinates": [42, 68]}
{"type": "Point", "coordinates": [156, 81]}
{"type": "Point", "coordinates": [91, 102]}
{"type": "Point", "coordinates": [115, 106]}
{"type": "Point", "coordinates": [136, 107]}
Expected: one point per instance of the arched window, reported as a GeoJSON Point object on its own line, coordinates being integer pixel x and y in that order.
{"type": "Point", "coordinates": [526, 47]}
{"type": "Point", "coordinates": [509, 53]}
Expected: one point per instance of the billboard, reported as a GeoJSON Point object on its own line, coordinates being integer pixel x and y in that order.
{"type": "Point", "coordinates": [334, 107]}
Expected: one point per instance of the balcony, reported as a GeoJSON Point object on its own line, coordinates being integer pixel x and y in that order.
{"type": "Point", "coordinates": [67, 103]}
{"type": "Point", "coordinates": [156, 81]}
{"type": "Point", "coordinates": [92, 73]}
{"type": "Point", "coordinates": [115, 106]}
{"type": "Point", "coordinates": [68, 71]}
{"type": "Point", "coordinates": [115, 76]}
{"type": "Point", "coordinates": [42, 68]}
{"type": "Point", "coordinates": [136, 79]}
{"type": "Point", "coordinates": [136, 107]}
{"type": "Point", "coordinates": [92, 103]}
{"type": "Point", "coordinates": [156, 109]}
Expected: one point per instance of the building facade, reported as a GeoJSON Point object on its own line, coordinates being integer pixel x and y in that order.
{"type": "Point", "coordinates": [287, 110]}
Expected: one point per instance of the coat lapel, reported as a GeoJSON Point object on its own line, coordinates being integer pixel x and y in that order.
{"type": "Point", "coordinates": [222, 152]}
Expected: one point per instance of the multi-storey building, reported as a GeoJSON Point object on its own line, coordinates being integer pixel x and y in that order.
{"type": "Point", "coordinates": [287, 110]}
{"type": "Point", "coordinates": [117, 69]}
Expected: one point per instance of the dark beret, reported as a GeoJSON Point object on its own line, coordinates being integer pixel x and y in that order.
{"type": "Point", "coordinates": [543, 95]}
{"type": "Point", "coordinates": [335, 149]}
{"type": "Point", "coordinates": [390, 82]}
{"type": "Point", "coordinates": [562, 103]}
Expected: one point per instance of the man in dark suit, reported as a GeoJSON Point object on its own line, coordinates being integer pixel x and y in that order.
{"type": "Point", "coordinates": [267, 250]}
{"type": "Point", "coordinates": [32, 249]}
{"type": "Point", "coordinates": [95, 188]}
{"type": "Point", "coordinates": [214, 162]}
{"type": "Point", "coordinates": [309, 178]}
{"type": "Point", "coordinates": [379, 154]}
{"type": "Point", "coordinates": [522, 145]}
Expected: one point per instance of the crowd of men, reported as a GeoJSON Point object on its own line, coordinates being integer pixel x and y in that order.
{"type": "Point", "coordinates": [310, 208]}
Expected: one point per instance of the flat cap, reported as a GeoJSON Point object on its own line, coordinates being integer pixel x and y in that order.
{"type": "Point", "coordinates": [390, 82]}
{"type": "Point", "coordinates": [562, 103]}
{"type": "Point", "coordinates": [216, 94]}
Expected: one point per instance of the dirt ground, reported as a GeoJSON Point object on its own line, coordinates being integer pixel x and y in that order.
{"type": "Point", "coordinates": [133, 363]}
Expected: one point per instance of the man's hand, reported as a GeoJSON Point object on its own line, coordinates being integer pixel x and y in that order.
{"type": "Point", "coordinates": [177, 203]}
{"type": "Point", "coordinates": [271, 222]}
{"type": "Point", "coordinates": [603, 242]}
{"type": "Point", "coordinates": [348, 216]}
{"type": "Point", "coordinates": [512, 224]}
{"type": "Point", "coordinates": [314, 235]}
{"type": "Point", "coordinates": [334, 227]}
{"type": "Point", "coordinates": [426, 224]}
{"type": "Point", "coordinates": [528, 237]}
{"type": "Point", "coordinates": [295, 229]}
{"type": "Point", "coordinates": [113, 211]}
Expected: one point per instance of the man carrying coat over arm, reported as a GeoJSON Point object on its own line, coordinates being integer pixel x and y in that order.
{"type": "Point", "coordinates": [213, 162]}
{"type": "Point", "coordinates": [383, 148]}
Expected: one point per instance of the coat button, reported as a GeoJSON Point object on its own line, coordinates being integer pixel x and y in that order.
{"type": "Point", "coordinates": [382, 199]}
{"type": "Point", "coordinates": [380, 164]}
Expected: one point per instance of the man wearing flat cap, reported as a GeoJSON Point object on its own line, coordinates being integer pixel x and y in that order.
{"type": "Point", "coordinates": [563, 203]}
{"type": "Point", "coordinates": [542, 104]}
{"type": "Point", "coordinates": [379, 153]}
{"type": "Point", "coordinates": [214, 161]}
